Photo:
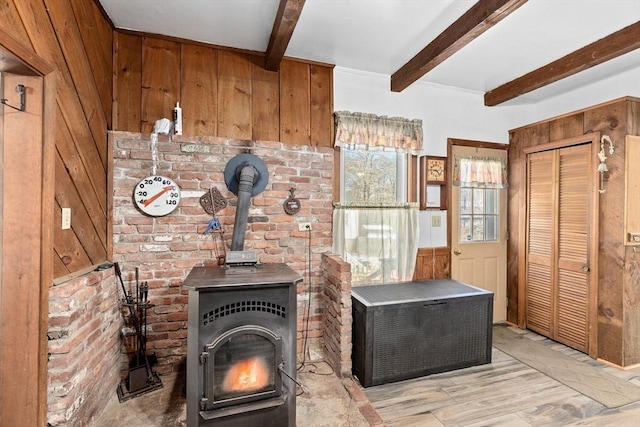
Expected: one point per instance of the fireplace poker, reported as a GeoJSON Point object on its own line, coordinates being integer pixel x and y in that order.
{"type": "Point", "coordinates": [144, 297]}
{"type": "Point", "coordinates": [138, 314]}
{"type": "Point", "coordinates": [136, 324]}
{"type": "Point", "coordinates": [137, 287]}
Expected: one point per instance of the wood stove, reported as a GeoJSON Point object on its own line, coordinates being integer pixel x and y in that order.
{"type": "Point", "coordinates": [241, 346]}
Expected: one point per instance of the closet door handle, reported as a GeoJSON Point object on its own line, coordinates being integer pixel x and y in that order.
{"type": "Point", "coordinates": [585, 269]}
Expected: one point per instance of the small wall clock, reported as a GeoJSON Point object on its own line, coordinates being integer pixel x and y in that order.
{"type": "Point", "coordinates": [157, 195]}
{"type": "Point", "coordinates": [436, 170]}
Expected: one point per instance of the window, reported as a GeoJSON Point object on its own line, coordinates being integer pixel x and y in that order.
{"type": "Point", "coordinates": [372, 176]}
{"type": "Point", "coordinates": [478, 215]}
{"type": "Point", "coordinates": [374, 230]}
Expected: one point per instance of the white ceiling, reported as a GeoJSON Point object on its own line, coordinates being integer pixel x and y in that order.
{"type": "Point", "coordinates": [379, 36]}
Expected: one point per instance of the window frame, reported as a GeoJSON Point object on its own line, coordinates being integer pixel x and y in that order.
{"type": "Point", "coordinates": [406, 172]}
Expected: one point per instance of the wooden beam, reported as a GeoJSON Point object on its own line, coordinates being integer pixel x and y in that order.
{"type": "Point", "coordinates": [614, 45]}
{"type": "Point", "coordinates": [482, 16]}
{"type": "Point", "coordinates": [283, 26]}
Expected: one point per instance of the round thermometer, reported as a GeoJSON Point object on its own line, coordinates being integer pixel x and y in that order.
{"type": "Point", "coordinates": [157, 195]}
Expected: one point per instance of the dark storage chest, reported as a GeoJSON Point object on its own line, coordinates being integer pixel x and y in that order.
{"type": "Point", "coordinates": [411, 329]}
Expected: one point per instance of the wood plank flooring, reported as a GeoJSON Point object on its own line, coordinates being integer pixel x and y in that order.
{"type": "Point", "coordinates": [504, 393]}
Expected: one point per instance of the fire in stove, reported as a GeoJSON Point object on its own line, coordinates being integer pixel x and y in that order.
{"type": "Point", "coordinates": [248, 376]}
{"type": "Point", "coordinates": [242, 364]}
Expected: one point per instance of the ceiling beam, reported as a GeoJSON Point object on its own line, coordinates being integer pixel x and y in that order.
{"type": "Point", "coordinates": [283, 26]}
{"type": "Point", "coordinates": [616, 44]}
{"type": "Point", "coordinates": [482, 16]}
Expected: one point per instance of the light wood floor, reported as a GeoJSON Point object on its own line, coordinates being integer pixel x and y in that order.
{"type": "Point", "coordinates": [504, 393]}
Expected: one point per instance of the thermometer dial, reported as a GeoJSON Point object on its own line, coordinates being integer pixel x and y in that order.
{"type": "Point", "coordinates": [157, 195]}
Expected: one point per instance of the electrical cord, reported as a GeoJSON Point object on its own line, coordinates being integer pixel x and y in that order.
{"type": "Point", "coordinates": [312, 369]}
{"type": "Point", "coordinates": [305, 333]}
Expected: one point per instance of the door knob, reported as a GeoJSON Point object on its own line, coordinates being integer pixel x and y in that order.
{"type": "Point", "coordinates": [585, 269]}
{"type": "Point", "coordinates": [457, 251]}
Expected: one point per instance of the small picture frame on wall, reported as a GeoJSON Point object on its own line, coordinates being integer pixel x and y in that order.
{"type": "Point", "coordinates": [433, 182]}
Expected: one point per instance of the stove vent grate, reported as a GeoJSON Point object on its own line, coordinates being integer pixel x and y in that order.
{"type": "Point", "coordinates": [243, 307]}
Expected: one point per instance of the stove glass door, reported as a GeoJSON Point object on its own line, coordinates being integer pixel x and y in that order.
{"type": "Point", "coordinates": [242, 365]}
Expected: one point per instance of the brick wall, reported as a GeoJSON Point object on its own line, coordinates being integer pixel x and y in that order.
{"type": "Point", "coordinates": [84, 347]}
{"type": "Point", "coordinates": [337, 319]}
{"type": "Point", "coordinates": [164, 249]}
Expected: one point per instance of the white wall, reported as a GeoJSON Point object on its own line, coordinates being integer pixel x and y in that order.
{"type": "Point", "coordinates": [453, 113]}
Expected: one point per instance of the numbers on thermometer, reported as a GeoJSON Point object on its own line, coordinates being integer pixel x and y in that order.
{"type": "Point", "coordinates": [157, 195]}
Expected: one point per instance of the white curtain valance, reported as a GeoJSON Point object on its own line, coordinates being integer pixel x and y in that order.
{"type": "Point", "coordinates": [480, 172]}
{"type": "Point", "coordinates": [367, 131]}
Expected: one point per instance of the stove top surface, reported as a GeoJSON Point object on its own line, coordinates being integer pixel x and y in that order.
{"type": "Point", "coordinates": [203, 278]}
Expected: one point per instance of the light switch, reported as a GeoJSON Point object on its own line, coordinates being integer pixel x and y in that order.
{"type": "Point", "coordinates": [66, 218]}
{"type": "Point", "coordinates": [634, 237]}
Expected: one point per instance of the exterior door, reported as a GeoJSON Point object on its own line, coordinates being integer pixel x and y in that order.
{"type": "Point", "coordinates": [479, 233]}
{"type": "Point", "coordinates": [559, 212]}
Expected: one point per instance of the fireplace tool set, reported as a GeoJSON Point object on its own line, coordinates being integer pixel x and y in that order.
{"type": "Point", "coordinates": [141, 378]}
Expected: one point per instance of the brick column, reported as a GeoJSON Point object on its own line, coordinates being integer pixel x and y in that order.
{"type": "Point", "coordinates": [337, 320]}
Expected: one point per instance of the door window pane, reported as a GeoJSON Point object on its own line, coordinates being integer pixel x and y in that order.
{"type": "Point", "coordinates": [478, 201]}
{"type": "Point", "coordinates": [478, 217]}
{"type": "Point", "coordinates": [491, 201]}
{"type": "Point", "coordinates": [465, 201]}
{"type": "Point", "coordinates": [491, 228]}
{"type": "Point", "coordinates": [478, 228]}
{"type": "Point", "coordinates": [465, 228]}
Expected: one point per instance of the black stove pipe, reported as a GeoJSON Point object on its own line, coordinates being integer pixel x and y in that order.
{"type": "Point", "coordinates": [245, 186]}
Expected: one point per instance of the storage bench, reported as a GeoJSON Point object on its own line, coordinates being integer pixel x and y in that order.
{"type": "Point", "coordinates": [406, 330]}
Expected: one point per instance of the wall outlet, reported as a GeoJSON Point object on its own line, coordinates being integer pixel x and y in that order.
{"type": "Point", "coordinates": [66, 218]}
{"type": "Point", "coordinates": [304, 226]}
{"type": "Point", "coordinates": [436, 221]}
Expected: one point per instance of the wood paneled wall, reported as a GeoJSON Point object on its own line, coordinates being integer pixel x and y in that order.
{"type": "Point", "coordinates": [222, 92]}
{"type": "Point", "coordinates": [114, 80]}
{"type": "Point", "coordinates": [433, 263]}
{"type": "Point", "coordinates": [618, 325]}
{"type": "Point", "coordinates": [74, 37]}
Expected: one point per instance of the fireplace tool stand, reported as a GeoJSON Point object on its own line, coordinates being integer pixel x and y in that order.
{"type": "Point", "coordinates": [141, 378]}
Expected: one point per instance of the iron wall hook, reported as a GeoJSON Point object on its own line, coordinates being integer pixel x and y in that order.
{"type": "Point", "coordinates": [22, 91]}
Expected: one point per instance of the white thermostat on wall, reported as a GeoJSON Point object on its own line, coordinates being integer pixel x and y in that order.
{"type": "Point", "coordinates": [157, 195]}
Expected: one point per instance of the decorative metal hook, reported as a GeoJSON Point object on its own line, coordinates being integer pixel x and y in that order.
{"type": "Point", "coordinates": [607, 139]}
{"type": "Point", "coordinates": [21, 90]}
{"type": "Point", "coordinates": [602, 166]}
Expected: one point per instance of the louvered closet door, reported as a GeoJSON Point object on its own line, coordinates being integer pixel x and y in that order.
{"type": "Point", "coordinates": [558, 244]}
{"type": "Point", "coordinates": [540, 221]}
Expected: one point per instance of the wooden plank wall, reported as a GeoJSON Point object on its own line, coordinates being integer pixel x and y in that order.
{"type": "Point", "coordinates": [127, 81]}
{"type": "Point", "coordinates": [618, 302]}
{"type": "Point", "coordinates": [74, 37]}
{"type": "Point", "coordinates": [433, 263]}
{"type": "Point", "coordinates": [222, 92]}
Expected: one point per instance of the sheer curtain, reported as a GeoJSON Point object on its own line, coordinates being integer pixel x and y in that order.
{"type": "Point", "coordinates": [380, 241]}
